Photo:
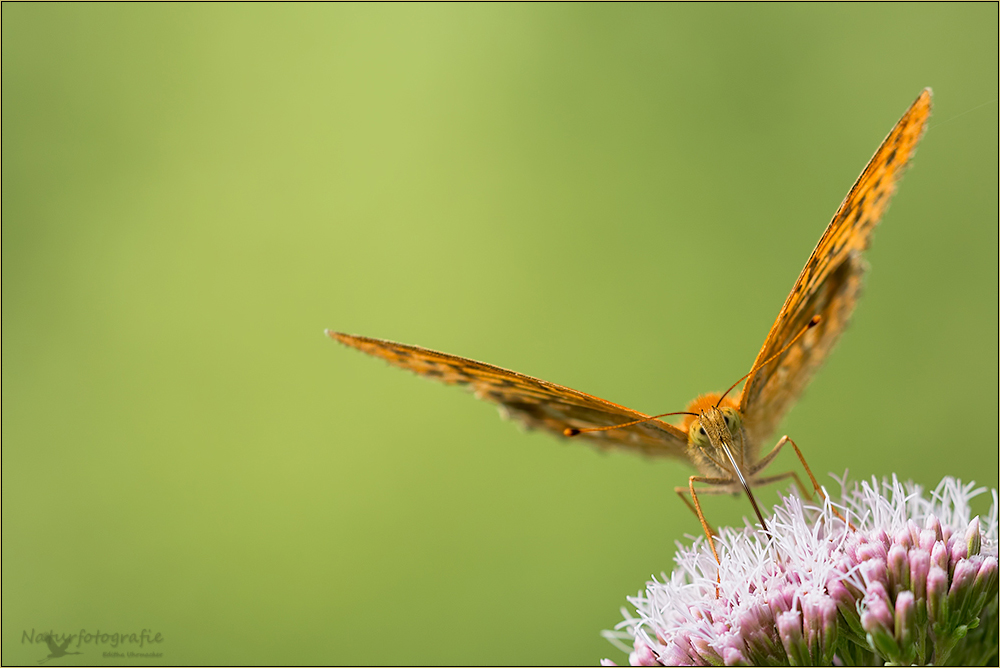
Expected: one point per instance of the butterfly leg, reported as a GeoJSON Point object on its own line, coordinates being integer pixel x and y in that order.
{"type": "Point", "coordinates": [819, 490]}
{"type": "Point", "coordinates": [696, 508]}
{"type": "Point", "coordinates": [760, 482]}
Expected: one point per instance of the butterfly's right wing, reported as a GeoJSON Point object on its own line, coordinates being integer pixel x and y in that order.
{"type": "Point", "coordinates": [829, 284]}
{"type": "Point", "coordinates": [535, 403]}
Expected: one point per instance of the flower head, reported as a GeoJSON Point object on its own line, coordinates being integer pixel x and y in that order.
{"type": "Point", "coordinates": [914, 581]}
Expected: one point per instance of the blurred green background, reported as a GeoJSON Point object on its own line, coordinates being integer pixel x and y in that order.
{"type": "Point", "coordinates": [192, 193]}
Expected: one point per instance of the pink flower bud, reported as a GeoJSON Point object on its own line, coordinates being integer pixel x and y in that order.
{"type": "Point", "coordinates": [920, 565]}
{"type": "Point", "coordinates": [874, 570]}
{"type": "Point", "coordinates": [914, 531]}
{"type": "Point", "coordinates": [956, 553]}
{"type": "Point", "coordinates": [905, 618]}
{"type": "Point", "coordinates": [733, 657]}
{"type": "Point", "coordinates": [961, 585]}
{"type": "Point", "coordinates": [934, 525]}
{"type": "Point", "coordinates": [927, 540]}
{"type": "Point", "coordinates": [987, 575]}
{"type": "Point", "coordinates": [937, 593]}
{"type": "Point", "coordinates": [873, 550]}
{"type": "Point", "coordinates": [973, 538]}
{"type": "Point", "coordinates": [940, 556]}
{"type": "Point", "coordinates": [899, 569]}
{"type": "Point", "coordinates": [790, 632]}
{"type": "Point", "coordinates": [878, 612]}
{"type": "Point", "coordinates": [643, 656]}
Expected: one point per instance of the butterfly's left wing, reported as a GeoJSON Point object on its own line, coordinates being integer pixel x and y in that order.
{"type": "Point", "coordinates": [533, 402]}
{"type": "Point", "coordinates": [829, 285]}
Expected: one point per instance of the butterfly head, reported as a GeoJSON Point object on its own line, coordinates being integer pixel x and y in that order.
{"type": "Point", "coordinates": [714, 427]}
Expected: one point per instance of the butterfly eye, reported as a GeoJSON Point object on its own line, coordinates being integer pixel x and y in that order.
{"type": "Point", "coordinates": [732, 419]}
{"type": "Point", "coordinates": [702, 431]}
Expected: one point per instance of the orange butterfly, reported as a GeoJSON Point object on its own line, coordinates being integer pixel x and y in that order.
{"type": "Point", "coordinates": [719, 435]}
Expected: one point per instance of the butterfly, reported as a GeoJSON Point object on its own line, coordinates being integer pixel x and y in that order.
{"type": "Point", "coordinates": [720, 435]}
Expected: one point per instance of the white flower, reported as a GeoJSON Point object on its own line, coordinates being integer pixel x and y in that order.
{"type": "Point", "coordinates": [915, 581]}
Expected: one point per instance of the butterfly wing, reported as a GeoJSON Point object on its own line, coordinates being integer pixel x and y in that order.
{"type": "Point", "coordinates": [829, 285]}
{"type": "Point", "coordinates": [535, 403]}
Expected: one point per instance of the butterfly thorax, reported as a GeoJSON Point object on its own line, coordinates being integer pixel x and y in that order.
{"type": "Point", "coordinates": [717, 426]}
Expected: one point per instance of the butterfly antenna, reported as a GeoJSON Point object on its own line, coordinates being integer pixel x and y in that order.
{"type": "Point", "coordinates": [572, 431]}
{"type": "Point", "coordinates": [815, 320]}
